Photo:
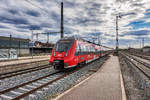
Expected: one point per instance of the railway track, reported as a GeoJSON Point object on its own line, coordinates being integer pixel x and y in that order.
{"type": "Point", "coordinates": [25, 89]}
{"type": "Point", "coordinates": [140, 65]}
{"type": "Point", "coordinates": [28, 87]}
{"type": "Point", "coordinates": [141, 56]}
{"type": "Point", "coordinates": [22, 71]}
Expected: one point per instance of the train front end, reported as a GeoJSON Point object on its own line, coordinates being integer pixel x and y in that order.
{"type": "Point", "coordinates": [62, 54]}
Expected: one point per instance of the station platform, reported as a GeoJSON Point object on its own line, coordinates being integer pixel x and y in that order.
{"type": "Point", "coordinates": [105, 84]}
{"type": "Point", "coordinates": [21, 60]}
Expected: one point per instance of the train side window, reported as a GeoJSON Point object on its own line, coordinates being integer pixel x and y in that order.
{"type": "Point", "coordinates": [86, 49]}
{"type": "Point", "coordinates": [89, 49]}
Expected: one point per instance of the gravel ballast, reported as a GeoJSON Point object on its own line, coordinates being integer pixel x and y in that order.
{"type": "Point", "coordinates": [134, 81]}
{"type": "Point", "coordinates": [58, 87]}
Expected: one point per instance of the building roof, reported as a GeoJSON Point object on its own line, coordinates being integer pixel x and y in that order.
{"type": "Point", "coordinates": [14, 38]}
{"type": "Point", "coordinates": [146, 47]}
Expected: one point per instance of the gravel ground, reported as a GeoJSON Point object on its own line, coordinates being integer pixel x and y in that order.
{"type": "Point", "coordinates": [133, 87]}
{"type": "Point", "coordinates": [64, 84]}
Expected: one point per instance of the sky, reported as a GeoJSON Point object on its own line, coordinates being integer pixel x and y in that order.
{"type": "Point", "coordinates": [85, 18]}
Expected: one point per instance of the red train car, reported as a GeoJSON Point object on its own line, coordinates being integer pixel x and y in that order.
{"type": "Point", "coordinates": [69, 52]}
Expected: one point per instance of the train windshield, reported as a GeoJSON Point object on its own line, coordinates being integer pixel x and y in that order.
{"type": "Point", "coordinates": [63, 45]}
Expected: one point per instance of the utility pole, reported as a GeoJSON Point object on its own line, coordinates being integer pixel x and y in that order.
{"type": "Point", "coordinates": [62, 21]}
{"type": "Point", "coordinates": [117, 44]}
{"type": "Point", "coordinates": [10, 40]}
{"type": "Point", "coordinates": [32, 43]}
{"type": "Point", "coordinates": [47, 38]}
{"type": "Point", "coordinates": [143, 42]}
{"type": "Point", "coordinates": [37, 35]}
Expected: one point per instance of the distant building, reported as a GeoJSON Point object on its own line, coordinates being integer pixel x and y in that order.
{"type": "Point", "coordinates": [39, 47]}
{"type": "Point", "coordinates": [43, 45]}
{"type": "Point", "coordinates": [146, 49]}
{"type": "Point", "coordinates": [19, 44]}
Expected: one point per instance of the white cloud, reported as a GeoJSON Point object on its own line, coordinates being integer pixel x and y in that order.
{"type": "Point", "coordinates": [81, 17]}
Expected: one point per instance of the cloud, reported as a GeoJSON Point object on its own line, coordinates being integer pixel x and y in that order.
{"type": "Point", "coordinates": [137, 33]}
{"type": "Point", "coordinates": [81, 17]}
{"type": "Point", "coordinates": [33, 13]}
{"type": "Point", "coordinates": [13, 20]}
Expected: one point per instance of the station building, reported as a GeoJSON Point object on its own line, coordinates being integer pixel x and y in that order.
{"type": "Point", "coordinates": [19, 44]}
{"type": "Point", "coordinates": [39, 47]}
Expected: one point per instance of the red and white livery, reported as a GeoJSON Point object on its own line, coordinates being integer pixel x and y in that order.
{"type": "Point", "coordinates": [69, 52]}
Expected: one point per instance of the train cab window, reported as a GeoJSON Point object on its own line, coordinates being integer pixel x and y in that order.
{"type": "Point", "coordinates": [64, 45]}
{"type": "Point", "coordinates": [86, 48]}
{"type": "Point", "coordinates": [77, 48]}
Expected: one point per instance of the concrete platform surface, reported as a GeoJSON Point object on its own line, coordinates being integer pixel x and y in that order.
{"type": "Point", "coordinates": [24, 60]}
{"type": "Point", "coordinates": [105, 84]}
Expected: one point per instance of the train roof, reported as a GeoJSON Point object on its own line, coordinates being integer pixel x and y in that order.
{"type": "Point", "coordinates": [79, 38]}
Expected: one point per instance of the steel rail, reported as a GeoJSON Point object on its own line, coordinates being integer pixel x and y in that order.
{"type": "Point", "coordinates": [141, 56]}
{"type": "Point", "coordinates": [23, 84]}
{"type": "Point", "coordinates": [139, 68]}
{"type": "Point", "coordinates": [141, 62]}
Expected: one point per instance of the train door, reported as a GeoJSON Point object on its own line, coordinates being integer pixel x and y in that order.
{"type": "Point", "coordinates": [78, 53]}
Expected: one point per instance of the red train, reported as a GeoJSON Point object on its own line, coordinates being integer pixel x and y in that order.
{"type": "Point", "coordinates": [70, 51]}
